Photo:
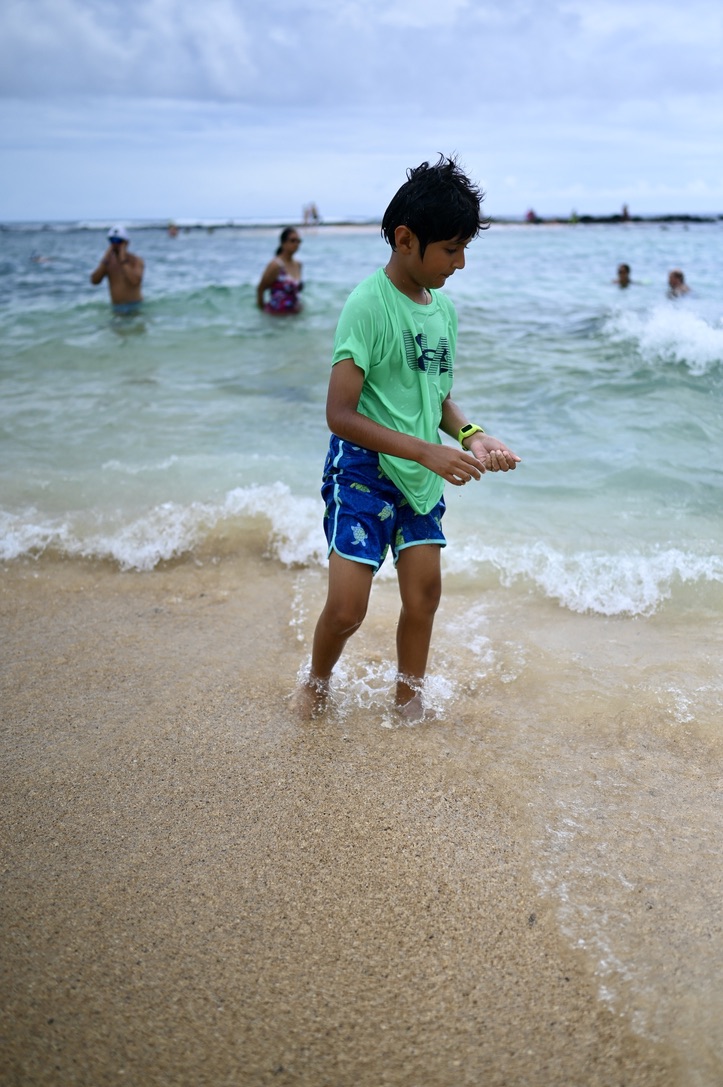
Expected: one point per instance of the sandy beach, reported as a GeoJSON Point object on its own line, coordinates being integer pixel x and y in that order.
{"type": "Point", "coordinates": [197, 890]}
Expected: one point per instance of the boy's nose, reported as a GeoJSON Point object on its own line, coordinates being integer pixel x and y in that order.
{"type": "Point", "coordinates": [459, 260]}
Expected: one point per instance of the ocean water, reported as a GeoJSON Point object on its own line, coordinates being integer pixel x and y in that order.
{"type": "Point", "coordinates": [137, 439]}
{"type": "Point", "coordinates": [579, 644]}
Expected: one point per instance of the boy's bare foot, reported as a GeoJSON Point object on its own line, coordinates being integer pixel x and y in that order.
{"type": "Point", "coordinates": [413, 709]}
{"type": "Point", "coordinates": [408, 700]}
{"type": "Point", "coordinates": [310, 698]}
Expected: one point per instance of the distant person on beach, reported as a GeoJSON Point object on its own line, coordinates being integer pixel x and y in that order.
{"type": "Point", "coordinates": [389, 396]}
{"type": "Point", "coordinates": [282, 277]}
{"type": "Point", "coordinates": [311, 214]}
{"type": "Point", "coordinates": [124, 271]}
{"type": "Point", "coordinates": [676, 284]}
{"type": "Point", "coordinates": [623, 277]}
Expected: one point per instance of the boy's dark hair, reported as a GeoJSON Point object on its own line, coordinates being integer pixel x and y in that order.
{"type": "Point", "coordinates": [436, 202]}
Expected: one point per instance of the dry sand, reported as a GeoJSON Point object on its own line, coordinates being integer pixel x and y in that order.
{"type": "Point", "coordinates": [197, 890]}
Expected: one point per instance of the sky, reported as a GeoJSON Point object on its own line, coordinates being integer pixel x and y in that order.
{"type": "Point", "coordinates": [249, 109]}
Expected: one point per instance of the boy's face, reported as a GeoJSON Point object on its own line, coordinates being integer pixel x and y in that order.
{"type": "Point", "coordinates": [440, 261]}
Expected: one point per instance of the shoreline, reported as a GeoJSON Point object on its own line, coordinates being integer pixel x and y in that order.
{"type": "Point", "coordinates": [200, 891]}
{"type": "Point", "coordinates": [362, 223]}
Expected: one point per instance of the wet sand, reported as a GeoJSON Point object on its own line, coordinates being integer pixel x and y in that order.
{"type": "Point", "coordinates": [198, 890]}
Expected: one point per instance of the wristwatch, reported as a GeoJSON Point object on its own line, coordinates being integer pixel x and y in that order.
{"type": "Point", "coordinates": [467, 431]}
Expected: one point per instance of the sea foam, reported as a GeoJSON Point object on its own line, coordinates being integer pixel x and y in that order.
{"type": "Point", "coordinates": [673, 333]}
{"type": "Point", "coordinates": [168, 529]}
{"type": "Point", "coordinates": [628, 583]}
{"type": "Point", "coordinates": [632, 583]}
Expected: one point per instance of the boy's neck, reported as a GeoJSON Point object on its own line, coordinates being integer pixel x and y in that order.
{"type": "Point", "coordinates": [398, 277]}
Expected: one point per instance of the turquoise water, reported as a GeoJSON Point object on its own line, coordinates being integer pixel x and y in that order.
{"type": "Point", "coordinates": [140, 439]}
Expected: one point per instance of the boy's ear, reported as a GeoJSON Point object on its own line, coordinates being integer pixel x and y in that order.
{"type": "Point", "coordinates": [404, 239]}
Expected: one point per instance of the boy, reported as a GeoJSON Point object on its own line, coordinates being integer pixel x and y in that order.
{"type": "Point", "coordinates": [388, 397]}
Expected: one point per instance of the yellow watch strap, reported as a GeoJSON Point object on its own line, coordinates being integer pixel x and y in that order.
{"type": "Point", "coordinates": [468, 430]}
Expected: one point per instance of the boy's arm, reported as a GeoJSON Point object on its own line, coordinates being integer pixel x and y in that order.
{"type": "Point", "coordinates": [493, 454]}
{"type": "Point", "coordinates": [344, 420]}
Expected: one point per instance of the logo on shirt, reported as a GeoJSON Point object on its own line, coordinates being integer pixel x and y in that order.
{"type": "Point", "coordinates": [421, 357]}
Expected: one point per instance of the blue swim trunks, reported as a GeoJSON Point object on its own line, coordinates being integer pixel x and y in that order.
{"type": "Point", "coordinates": [126, 309]}
{"type": "Point", "coordinates": [366, 513]}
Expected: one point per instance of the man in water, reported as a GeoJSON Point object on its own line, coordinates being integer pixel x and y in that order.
{"type": "Point", "coordinates": [124, 271]}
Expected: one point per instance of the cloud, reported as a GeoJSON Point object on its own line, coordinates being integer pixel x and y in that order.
{"type": "Point", "coordinates": [168, 48]}
{"type": "Point", "coordinates": [140, 158]}
{"type": "Point", "coordinates": [419, 51]}
{"type": "Point", "coordinates": [245, 108]}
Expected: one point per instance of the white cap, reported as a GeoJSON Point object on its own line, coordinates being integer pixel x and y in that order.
{"type": "Point", "coordinates": [117, 233]}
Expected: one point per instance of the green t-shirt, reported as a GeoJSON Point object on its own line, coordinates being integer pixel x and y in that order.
{"type": "Point", "coordinates": [407, 354]}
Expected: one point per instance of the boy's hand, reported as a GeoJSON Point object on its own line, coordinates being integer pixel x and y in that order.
{"type": "Point", "coordinates": [492, 454]}
{"type": "Point", "coordinates": [454, 465]}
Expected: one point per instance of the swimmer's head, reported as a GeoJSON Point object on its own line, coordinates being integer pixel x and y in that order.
{"type": "Point", "coordinates": [117, 234]}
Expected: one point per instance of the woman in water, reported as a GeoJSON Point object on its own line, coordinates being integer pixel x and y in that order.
{"type": "Point", "coordinates": [282, 277]}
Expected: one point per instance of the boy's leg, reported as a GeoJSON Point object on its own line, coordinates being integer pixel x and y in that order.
{"type": "Point", "coordinates": [420, 587]}
{"type": "Point", "coordinates": [346, 605]}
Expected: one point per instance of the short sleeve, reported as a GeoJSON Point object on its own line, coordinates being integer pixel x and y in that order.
{"type": "Point", "coordinates": [357, 330]}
